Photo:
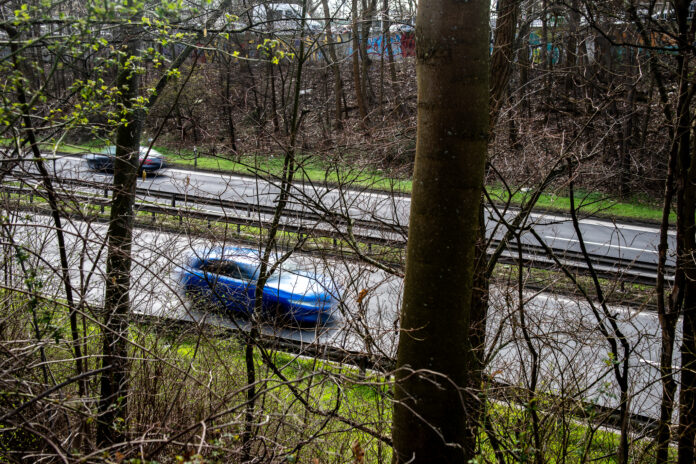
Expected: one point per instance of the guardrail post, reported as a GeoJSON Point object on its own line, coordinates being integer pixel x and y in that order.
{"type": "Point", "coordinates": [173, 200]}
{"type": "Point", "coordinates": [239, 229]}
{"type": "Point", "coordinates": [106, 195]}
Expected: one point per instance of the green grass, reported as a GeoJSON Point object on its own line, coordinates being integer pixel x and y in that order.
{"type": "Point", "coordinates": [589, 203]}
{"type": "Point", "coordinates": [310, 169]}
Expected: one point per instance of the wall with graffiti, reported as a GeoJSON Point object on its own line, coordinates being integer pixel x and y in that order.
{"type": "Point", "coordinates": [403, 45]}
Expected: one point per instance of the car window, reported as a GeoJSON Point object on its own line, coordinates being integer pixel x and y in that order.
{"type": "Point", "coordinates": [226, 268]}
{"type": "Point", "coordinates": [152, 153]}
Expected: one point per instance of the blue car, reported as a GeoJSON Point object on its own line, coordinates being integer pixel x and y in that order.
{"type": "Point", "coordinates": [150, 161]}
{"type": "Point", "coordinates": [226, 277]}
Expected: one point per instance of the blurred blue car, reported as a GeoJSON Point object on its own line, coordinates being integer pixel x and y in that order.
{"type": "Point", "coordinates": [104, 160]}
{"type": "Point", "coordinates": [226, 277]}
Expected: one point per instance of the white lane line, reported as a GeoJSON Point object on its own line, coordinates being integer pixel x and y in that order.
{"type": "Point", "coordinates": [655, 364]}
{"type": "Point", "coordinates": [207, 174]}
{"type": "Point", "coordinates": [383, 196]}
{"type": "Point", "coordinates": [561, 301]}
{"type": "Point", "coordinates": [600, 223]}
{"type": "Point", "coordinates": [601, 244]}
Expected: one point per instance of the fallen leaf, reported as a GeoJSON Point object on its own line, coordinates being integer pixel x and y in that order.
{"type": "Point", "coordinates": [361, 295]}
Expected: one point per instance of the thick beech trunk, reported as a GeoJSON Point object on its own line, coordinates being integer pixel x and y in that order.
{"type": "Point", "coordinates": [686, 239]}
{"type": "Point", "coordinates": [433, 401]}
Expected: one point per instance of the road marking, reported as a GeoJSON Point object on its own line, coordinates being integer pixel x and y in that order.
{"type": "Point", "coordinates": [207, 174]}
{"type": "Point", "coordinates": [656, 364]}
{"type": "Point", "coordinates": [597, 222]}
{"type": "Point", "coordinates": [383, 196]}
{"type": "Point", "coordinates": [601, 244]}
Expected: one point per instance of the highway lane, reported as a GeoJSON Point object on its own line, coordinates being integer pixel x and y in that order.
{"type": "Point", "coordinates": [574, 358]}
{"type": "Point", "coordinates": [628, 242]}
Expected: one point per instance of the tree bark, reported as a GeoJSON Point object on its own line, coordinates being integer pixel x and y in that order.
{"type": "Point", "coordinates": [112, 407]}
{"type": "Point", "coordinates": [333, 63]}
{"type": "Point", "coordinates": [368, 13]}
{"type": "Point", "coordinates": [432, 395]}
{"type": "Point", "coordinates": [359, 95]}
{"type": "Point", "coordinates": [113, 401]}
{"type": "Point", "coordinates": [502, 57]}
{"type": "Point", "coordinates": [686, 239]}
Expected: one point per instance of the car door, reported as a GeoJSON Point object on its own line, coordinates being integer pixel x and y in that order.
{"type": "Point", "coordinates": [200, 281]}
{"type": "Point", "coordinates": [233, 286]}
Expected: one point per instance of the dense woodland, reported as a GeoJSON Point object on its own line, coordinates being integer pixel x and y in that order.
{"type": "Point", "coordinates": [582, 100]}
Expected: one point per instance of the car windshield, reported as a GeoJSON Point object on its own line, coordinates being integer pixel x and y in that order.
{"type": "Point", "coordinates": [151, 154]}
{"type": "Point", "coordinates": [229, 269]}
{"type": "Point", "coordinates": [287, 272]}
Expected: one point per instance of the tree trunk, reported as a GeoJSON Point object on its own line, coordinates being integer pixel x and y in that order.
{"type": "Point", "coordinates": [338, 83]}
{"type": "Point", "coordinates": [432, 395]}
{"type": "Point", "coordinates": [367, 16]}
{"type": "Point", "coordinates": [113, 401]}
{"type": "Point", "coordinates": [388, 45]}
{"type": "Point", "coordinates": [523, 65]}
{"type": "Point", "coordinates": [502, 57]}
{"type": "Point", "coordinates": [268, 248]}
{"type": "Point", "coordinates": [112, 407]}
{"type": "Point", "coordinates": [686, 239]}
{"type": "Point", "coordinates": [400, 107]}
{"type": "Point", "coordinates": [571, 48]}
{"type": "Point", "coordinates": [359, 96]}
{"type": "Point", "coordinates": [52, 198]}
{"type": "Point", "coordinates": [228, 109]}
{"type": "Point", "coordinates": [686, 228]}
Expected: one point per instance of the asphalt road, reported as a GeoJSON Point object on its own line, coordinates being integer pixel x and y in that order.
{"type": "Point", "coordinates": [633, 244]}
{"type": "Point", "coordinates": [574, 357]}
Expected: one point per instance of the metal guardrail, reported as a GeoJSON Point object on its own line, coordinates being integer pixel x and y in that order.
{"type": "Point", "coordinates": [252, 220]}
{"type": "Point", "coordinates": [250, 208]}
{"type": "Point", "coordinates": [334, 226]}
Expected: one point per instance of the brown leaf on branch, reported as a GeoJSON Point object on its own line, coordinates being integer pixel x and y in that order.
{"type": "Point", "coordinates": [358, 453]}
{"type": "Point", "coordinates": [361, 296]}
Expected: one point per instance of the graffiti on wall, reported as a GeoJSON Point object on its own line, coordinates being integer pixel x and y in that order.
{"type": "Point", "coordinates": [403, 45]}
